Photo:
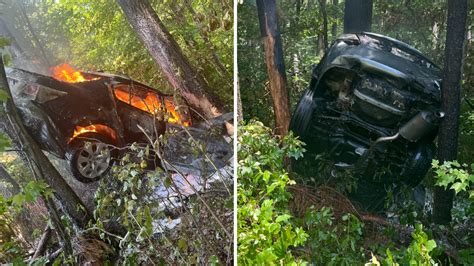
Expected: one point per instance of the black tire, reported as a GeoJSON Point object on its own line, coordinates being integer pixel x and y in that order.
{"type": "Point", "coordinates": [100, 152]}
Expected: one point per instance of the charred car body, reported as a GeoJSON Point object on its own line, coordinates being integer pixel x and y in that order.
{"type": "Point", "coordinates": [85, 117]}
{"type": "Point", "coordinates": [372, 106]}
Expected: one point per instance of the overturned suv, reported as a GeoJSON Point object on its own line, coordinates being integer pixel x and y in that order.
{"type": "Point", "coordinates": [86, 117]}
{"type": "Point", "coordinates": [372, 107]}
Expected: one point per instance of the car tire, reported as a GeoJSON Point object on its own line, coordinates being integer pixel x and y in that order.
{"type": "Point", "coordinates": [91, 156]}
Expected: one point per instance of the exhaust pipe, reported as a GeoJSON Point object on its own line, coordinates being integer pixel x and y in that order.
{"type": "Point", "coordinates": [420, 125]}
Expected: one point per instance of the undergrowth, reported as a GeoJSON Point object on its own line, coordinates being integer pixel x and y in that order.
{"type": "Point", "coordinates": [278, 225]}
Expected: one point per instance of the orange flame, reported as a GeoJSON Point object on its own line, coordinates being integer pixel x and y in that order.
{"type": "Point", "coordinates": [152, 104]}
{"type": "Point", "coordinates": [67, 73]}
{"type": "Point", "coordinates": [175, 116]}
{"type": "Point", "coordinates": [93, 128]}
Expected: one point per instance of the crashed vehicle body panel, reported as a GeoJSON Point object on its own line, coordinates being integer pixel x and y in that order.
{"type": "Point", "coordinates": [109, 109]}
{"type": "Point", "coordinates": [372, 106]}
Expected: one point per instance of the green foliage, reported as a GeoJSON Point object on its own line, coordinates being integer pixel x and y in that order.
{"type": "Point", "coordinates": [417, 253]}
{"type": "Point", "coordinates": [453, 175]}
{"type": "Point", "coordinates": [4, 42]}
{"type": "Point", "coordinates": [96, 36]}
{"type": "Point", "coordinates": [265, 231]}
{"type": "Point", "coordinates": [4, 142]}
{"type": "Point", "coordinates": [11, 247]}
{"type": "Point", "coordinates": [334, 242]}
{"type": "Point", "coordinates": [126, 200]}
{"type": "Point", "coordinates": [466, 256]}
{"type": "Point", "coordinates": [269, 234]}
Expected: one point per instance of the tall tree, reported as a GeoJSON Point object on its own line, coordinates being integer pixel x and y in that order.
{"type": "Point", "coordinates": [168, 55]}
{"type": "Point", "coordinates": [267, 15]}
{"type": "Point", "coordinates": [357, 15]}
{"type": "Point", "coordinates": [335, 3]}
{"type": "Point", "coordinates": [451, 101]}
{"type": "Point", "coordinates": [323, 29]}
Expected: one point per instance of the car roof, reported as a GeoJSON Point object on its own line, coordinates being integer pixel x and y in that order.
{"type": "Point", "coordinates": [109, 76]}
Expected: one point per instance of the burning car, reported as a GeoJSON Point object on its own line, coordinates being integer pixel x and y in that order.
{"type": "Point", "coordinates": [86, 117]}
{"type": "Point", "coordinates": [372, 107]}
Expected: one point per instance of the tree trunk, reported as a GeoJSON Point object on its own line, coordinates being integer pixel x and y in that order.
{"type": "Point", "coordinates": [297, 12]}
{"type": "Point", "coordinates": [335, 3]}
{"type": "Point", "coordinates": [39, 163]}
{"type": "Point", "coordinates": [357, 16]}
{"type": "Point", "coordinates": [451, 100]}
{"type": "Point", "coordinates": [323, 30]}
{"type": "Point", "coordinates": [240, 113]}
{"type": "Point", "coordinates": [267, 14]}
{"type": "Point", "coordinates": [169, 57]}
{"type": "Point", "coordinates": [9, 179]}
{"type": "Point", "coordinates": [35, 38]}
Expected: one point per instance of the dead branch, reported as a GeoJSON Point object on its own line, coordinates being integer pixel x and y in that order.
{"type": "Point", "coordinates": [43, 242]}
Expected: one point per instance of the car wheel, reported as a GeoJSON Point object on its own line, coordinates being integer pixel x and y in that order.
{"type": "Point", "coordinates": [91, 156]}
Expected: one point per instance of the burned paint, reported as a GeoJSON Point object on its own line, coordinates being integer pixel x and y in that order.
{"type": "Point", "coordinates": [57, 110]}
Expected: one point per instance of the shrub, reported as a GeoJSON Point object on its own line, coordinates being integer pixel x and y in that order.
{"type": "Point", "coordinates": [266, 234]}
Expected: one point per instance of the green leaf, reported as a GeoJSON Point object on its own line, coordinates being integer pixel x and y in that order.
{"type": "Point", "coordinates": [182, 245]}
{"type": "Point", "coordinates": [4, 96]}
{"type": "Point", "coordinates": [148, 220]}
{"type": "Point", "coordinates": [282, 218]}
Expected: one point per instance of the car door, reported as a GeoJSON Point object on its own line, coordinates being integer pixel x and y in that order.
{"type": "Point", "coordinates": [141, 111]}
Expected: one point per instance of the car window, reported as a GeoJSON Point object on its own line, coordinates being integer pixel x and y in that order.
{"type": "Point", "coordinates": [152, 103]}
{"type": "Point", "coordinates": [139, 97]}
{"type": "Point", "coordinates": [180, 115]}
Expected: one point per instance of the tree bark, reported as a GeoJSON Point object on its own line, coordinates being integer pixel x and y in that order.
{"type": "Point", "coordinates": [335, 3]}
{"type": "Point", "coordinates": [9, 179]}
{"type": "Point", "coordinates": [42, 244]}
{"type": "Point", "coordinates": [170, 59]}
{"type": "Point", "coordinates": [267, 14]}
{"type": "Point", "coordinates": [357, 16]}
{"type": "Point", "coordinates": [39, 163]}
{"type": "Point", "coordinates": [323, 30]}
{"type": "Point", "coordinates": [297, 11]}
{"type": "Point", "coordinates": [240, 113]}
{"type": "Point", "coordinates": [451, 101]}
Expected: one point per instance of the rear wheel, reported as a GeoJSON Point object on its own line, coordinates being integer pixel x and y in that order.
{"type": "Point", "coordinates": [91, 157]}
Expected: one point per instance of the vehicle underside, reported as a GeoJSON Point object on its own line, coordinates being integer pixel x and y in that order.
{"type": "Point", "coordinates": [372, 107]}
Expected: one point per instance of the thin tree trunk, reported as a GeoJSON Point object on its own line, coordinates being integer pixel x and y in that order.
{"type": "Point", "coordinates": [335, 3]}
{"type": "Point", "coordinates": [63, 234]}
{"type": "Point", "coordinates": [451, 101]}
{"type": "Point", "coordinates": [39, 44]}
{"type": "Point", "coordinates": [9, 179]}
{"type": "Point", "coordinates": [297, 12]}
{"type": "Point", "coordinates": [39, 163]}
{"type": "Point", "coordinates": [240, 113]}
{"type": "Point", "coordinates": [169, 57]}
{"type": "Point", "coordinates": [323, 32]}
{"type": "Point", "coordinates": [267, 14]}
{"type": "Point", "coordinates": [357, 16]}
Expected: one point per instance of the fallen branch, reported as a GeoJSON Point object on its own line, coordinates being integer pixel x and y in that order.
{"type": "Point", "coordinates": [43, 242]}
{"type": "Point", "coordinates": [55, 254]}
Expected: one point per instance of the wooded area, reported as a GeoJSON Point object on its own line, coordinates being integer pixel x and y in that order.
{"type": "Point", "coordinates": [133, 166]}
{"type": "Point", "coordinates": [332, 208]}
